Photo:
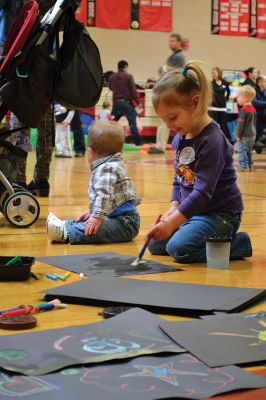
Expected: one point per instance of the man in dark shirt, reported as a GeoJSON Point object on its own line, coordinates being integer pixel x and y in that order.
{"type": "Point", "coordinates": [124, 94]}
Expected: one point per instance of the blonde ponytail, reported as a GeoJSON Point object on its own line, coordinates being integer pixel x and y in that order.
{"type": "Point", "coordinates": [177, 87]}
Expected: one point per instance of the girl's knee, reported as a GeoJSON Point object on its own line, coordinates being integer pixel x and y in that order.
{"type": "Point", "coordinates": [174, 250]}
{"type": "Point", "coordinates": [180, 252]}
{"type": "Point", "coordinates": [156, 248]}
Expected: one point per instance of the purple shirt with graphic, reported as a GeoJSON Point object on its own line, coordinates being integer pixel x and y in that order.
{"type": "Point", "coordinates": [205, 178]}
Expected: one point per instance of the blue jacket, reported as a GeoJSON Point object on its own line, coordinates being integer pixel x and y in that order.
{"type": "Point", "coordinates": [259, 102]}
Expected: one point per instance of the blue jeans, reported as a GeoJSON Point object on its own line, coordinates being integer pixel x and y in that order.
{"type": "Point", "coordinates": [125, 108]}
{"type": "Point", "coordinates": [244, 148]}
{"type": "Point", "coordinates": [187, 243]}
{"type": "Point", "coordinates": [119, 229]}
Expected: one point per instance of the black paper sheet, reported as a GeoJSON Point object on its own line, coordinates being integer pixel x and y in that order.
{"type": "Point", "coordinates": [106, 264]}
{"type": "Point", "coordinates": [219, 342]}
{"type": "Point", "coordinates": [258, 314]}
{"type": "Point", "coordinates": [164, 297]}
{"type": "Point", "coordinates": [129, 334]}
{"type": "Point", "coordinates": [141, 378]}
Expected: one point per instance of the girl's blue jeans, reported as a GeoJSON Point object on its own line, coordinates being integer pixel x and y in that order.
{"type": "Point", "coordinates": [123, 228]}
{"type": "Point", "coordinates": [188, 243]}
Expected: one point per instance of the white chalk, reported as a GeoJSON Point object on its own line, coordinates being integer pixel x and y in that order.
{"type": "Point", "coordinates": [82, 276]}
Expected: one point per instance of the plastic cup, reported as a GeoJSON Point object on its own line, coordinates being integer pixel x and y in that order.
{"type": "Point", "coordinates": [218, 252]}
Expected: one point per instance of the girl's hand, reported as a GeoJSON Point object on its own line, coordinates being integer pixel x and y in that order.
{"type": "Point", "coordinates": [167, 226]}
{"type": "Point", "coordinates": [160, 231]}
{"type": "Point", "coordinates": [83, 217]}
{"type": "Point", "coordinates": [92, 225]}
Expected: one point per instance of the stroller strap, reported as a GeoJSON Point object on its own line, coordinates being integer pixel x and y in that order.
{"type": "Point", "coordinates": [13, 149]}
{"type": "Point", "coordinates": [7, 132]}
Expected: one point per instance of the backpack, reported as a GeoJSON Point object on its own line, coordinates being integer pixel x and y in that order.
{"type": "Point", "coordinates": [43, 71]}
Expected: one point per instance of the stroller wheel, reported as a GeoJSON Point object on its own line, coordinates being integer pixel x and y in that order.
{"type": "Point", "coordinates": [4, 196]}
{"type": "Point", "coordinates": [21, 209]}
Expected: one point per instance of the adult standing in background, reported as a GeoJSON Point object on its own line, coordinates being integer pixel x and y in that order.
{"type": "Point", "coordinates": [125, 93]}
{"type": "Point", "coordinates": [78, 135]}
{"type": "Point", "coordinates": [221, 93]}
{"type": "Point", "coordinates": [175, 60]}
{"type": "Point", "coordinates": [251, 77]}
{"type": "Point", "coordinates": [260, 104]}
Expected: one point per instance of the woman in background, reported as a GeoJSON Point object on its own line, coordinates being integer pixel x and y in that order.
{"type": "Point", "coordinates": [251, 77]}
{"type": "Point", "coordinates": [221, 93]}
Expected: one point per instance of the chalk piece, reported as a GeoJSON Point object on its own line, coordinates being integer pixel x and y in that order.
{"type": "Point", "coordinates": [34, 275]}
{"type": "Point", "coordinates": [61, 277]}
{"type": "Point", "coordinates": [51, 276]}
{"type": "Point", "coordinates": [82, 276]}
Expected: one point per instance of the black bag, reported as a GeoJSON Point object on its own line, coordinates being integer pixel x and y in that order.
{"type": "Point", "coordinates": [30, 97]}
{"type": "Point", "coordinates": [79, 78]}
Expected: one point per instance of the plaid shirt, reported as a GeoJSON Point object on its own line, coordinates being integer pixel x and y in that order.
{"type": "Point", "coordinates": [109, 185]}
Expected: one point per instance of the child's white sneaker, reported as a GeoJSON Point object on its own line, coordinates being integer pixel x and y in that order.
{"type": "Point", "coordinates": [55, 229]}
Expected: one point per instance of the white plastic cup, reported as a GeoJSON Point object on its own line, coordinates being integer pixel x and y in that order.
{"type": "Point", "coordinates": [218, 252]}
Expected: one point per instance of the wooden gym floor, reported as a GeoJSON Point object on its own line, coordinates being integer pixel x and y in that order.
{"type": "Point", "coordinates": [153, 176]}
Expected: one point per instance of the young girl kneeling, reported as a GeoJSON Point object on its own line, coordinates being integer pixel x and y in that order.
{"type": "Point", "coordinates": [206, 201]}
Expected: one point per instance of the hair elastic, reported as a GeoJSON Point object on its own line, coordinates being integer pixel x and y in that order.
{"type": "Point", "coordinates": [184, 72]}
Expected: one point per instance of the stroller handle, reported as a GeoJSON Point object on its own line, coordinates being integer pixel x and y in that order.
{"type": "Point", "coordinates": [52, 16]}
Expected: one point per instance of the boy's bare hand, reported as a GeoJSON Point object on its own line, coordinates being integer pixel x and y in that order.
{"type": "Point", "coordinates": [92, 225]}
{"type": "Point", "coordinates": [83, 217]}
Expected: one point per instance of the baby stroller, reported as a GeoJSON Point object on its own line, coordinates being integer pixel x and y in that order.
{"type": "Point", "coordinates": [18, 205]}
{"type": "Point", "coordinates": [31, 70]}
{"type": "Point", "coordinates": [34, 71]}
{"type": "Point", "coordinates": [39, 67]}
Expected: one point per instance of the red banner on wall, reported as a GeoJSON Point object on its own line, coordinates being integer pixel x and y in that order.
{"type": "Point", "coordinates": [155, 15]}
{"type": "Point", "coordinates": [261, 18]}
{"type": "Point", "coordinates": [91, 13]}
{"type": "Point", "coordinates": [114, 14]}
{"type": "Point", "coordinates": [81, 13]}
{"type": "Point", "coordinates": [232, 20]}
{"type": "Point", "coordinates": [234, 17]}
{"type": "Point", "coordinates": [253, 18]}
{"type": "Point", "coordinates": [215, 17]}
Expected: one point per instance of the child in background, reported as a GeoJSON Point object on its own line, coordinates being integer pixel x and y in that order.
{"type": "Point", "coordinates": [63, 118]}
{"type": "Point", "coordinates": [245, 130]}
{"type": "Point", "coordinates": [206, 201]}
{"type": "Point", "coordinates": [112, 215]}
{"type": "Point", "coordinates": [105, 113]}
